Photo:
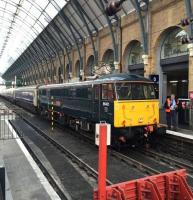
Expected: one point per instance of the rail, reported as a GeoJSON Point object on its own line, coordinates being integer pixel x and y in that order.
{"type": "Point", "coordinates": [89, 170]}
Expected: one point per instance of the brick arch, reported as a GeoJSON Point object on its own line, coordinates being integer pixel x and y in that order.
{"type": "Point", "coordinates": [126, 52]}
{"type": "Point", "coordinates": [77, 68]}
{"type": "Point", "coordinates": [162, 36]}
{"type": "Point", "coordinates": [156, 58]}
{"type": "Point", "coordinates": [159, 42]}
{"type": "Point", "coordinates": [108, 52]}
{"type": "Point", "coordinates": [90, 65]}
{"type": "Point", "coordinates": [67, 70]}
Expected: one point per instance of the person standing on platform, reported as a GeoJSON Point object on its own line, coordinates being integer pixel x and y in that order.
{"type": "Point", "coordinates": [173, 111]}
{"type": "Point", "coordinates": [168, 111]}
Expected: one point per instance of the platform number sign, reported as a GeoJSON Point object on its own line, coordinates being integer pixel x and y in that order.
{"type": "Point", "coordinates": [154, 78]}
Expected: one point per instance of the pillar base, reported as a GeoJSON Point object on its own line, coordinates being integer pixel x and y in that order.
{"type": "Point", "coordinates": [147, 67]}
{"type": "Point", "coordinates": [117, 66]}
{"type": "Point", "coordinates": [70, 74]}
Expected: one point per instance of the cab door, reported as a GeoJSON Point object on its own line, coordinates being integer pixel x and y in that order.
{"type": "Point", "coordinates": [107, 102]}
{"type": "Point", "coordinates": [96, 103]}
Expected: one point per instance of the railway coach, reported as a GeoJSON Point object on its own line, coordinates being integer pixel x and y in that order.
{"type": "Point", "coordinates": [128, 102]}
{"type": "Point", "coordinates": [27, 97]}
{"type": "Point", "coordinates": [8, 94]}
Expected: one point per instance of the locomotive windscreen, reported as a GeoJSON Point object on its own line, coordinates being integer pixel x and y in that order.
{"type": "Point", "coordinates": [135, 91]}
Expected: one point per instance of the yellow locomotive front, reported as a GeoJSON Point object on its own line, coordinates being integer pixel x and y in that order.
{"type": "Point", "coordinates": [136, 108]}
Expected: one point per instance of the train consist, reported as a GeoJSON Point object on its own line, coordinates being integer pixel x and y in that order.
{"type": "Point", "coordinates": [128, 102]}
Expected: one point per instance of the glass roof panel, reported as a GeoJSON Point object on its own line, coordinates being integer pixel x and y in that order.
{"type": "Point", "coordinates": [30, 17]}
{"type": "Point", "coordinates": [11, 8]}
{"type": "Point", "coordinates": [20, 23]}
{"type": "Point", "coordinates": [43, 3]}
{"type": "Point", "coordinates": [51, 11]}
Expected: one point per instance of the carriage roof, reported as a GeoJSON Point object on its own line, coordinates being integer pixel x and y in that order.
{"type": "Point", "coordinates": [111, 78]}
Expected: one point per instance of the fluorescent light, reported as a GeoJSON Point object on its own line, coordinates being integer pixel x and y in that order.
{"type": "Point", "coordinates": [173, 81]}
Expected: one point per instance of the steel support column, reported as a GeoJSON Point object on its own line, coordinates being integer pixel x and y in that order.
{"type": "Point", "coordinates": [189, 14]}
{"type": "Point", "coordinates": [142, 21]}
{"type": "Point", "coordinates": [70, 26]}
{"type": "Point", "coordinates": [60, 34]}
{"type": "Point", "coordinates": [82, 17]}
{"type": "Point", "coordinates": [115, 45]}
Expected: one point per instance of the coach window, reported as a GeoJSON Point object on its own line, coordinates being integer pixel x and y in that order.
{"type": "Point", "coordinates": [110, 92]}
{"type": "Point", "coordinates": [96, 92]}
{"type": "Point", "coordinates": [42, 92]}
{"type": "Point", "coordinates": [104, 91]}
{"type": "Point", "coordinates": [65, 92]}
{"type": "Point", "coordinates": [89, 93]}
{"type": "Point", "coordinates": [107, 92]}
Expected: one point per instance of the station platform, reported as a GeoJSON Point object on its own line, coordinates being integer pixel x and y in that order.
{"type": "Point", "coordinates": [24, 179]}
{"type": "Point", "coordinates": [188, 134]}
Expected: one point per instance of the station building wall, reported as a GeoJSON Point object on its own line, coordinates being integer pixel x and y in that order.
{"type": "Point", "coordinates": [164, 16]}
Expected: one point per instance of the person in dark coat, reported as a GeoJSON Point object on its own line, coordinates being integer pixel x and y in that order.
{"type": "Point", "coordinates": [168, 112]}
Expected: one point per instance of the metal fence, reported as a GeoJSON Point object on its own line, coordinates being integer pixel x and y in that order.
{"type": "Point", "coordinates": [7, 117]}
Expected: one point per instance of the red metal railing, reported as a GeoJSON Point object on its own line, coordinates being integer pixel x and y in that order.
{"type": "Point", "coordinates": [166, 186]}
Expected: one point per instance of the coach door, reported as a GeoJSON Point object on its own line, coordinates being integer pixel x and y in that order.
{"type": "Point", "coordinates": [96, 103]}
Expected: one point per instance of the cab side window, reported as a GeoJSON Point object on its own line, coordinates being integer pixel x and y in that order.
{"type": "Point", "coordinates": [104, 91]}
{"type": "Point", "coordinates": [107, 92]}
{"type": "Point", "coordinates": [96, 92]}
{"type": "Point", "coordinates": [110, 92]}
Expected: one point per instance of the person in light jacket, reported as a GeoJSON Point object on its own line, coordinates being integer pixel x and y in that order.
{"type": "Point", "coordinates": [173, 111]}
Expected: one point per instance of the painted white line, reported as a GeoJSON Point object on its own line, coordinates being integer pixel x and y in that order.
{"type": "Point", "coordinates": [49, 189]}
{"type": "Point", "coordinates": [180, 134]}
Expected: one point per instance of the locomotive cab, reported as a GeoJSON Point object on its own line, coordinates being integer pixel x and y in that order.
{"type": "Point", "coordinates": [135, 105]}
{"type": "Point", "coordinates": [136, 110]}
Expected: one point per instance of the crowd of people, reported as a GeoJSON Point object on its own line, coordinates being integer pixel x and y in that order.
{"type": "Point", "coordinates": [171, 107]}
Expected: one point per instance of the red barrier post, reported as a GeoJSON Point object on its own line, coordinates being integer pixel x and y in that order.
{"type": "Point", "coordinates": [102, 162]}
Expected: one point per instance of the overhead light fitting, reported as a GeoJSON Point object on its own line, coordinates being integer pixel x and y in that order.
{"type": "Point", "coordinates": [173, 81]}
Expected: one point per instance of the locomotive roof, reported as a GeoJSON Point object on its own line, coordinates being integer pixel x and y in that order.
{"type": "Point", "coordinates": [26, 88]}
{"type": "Point", "coordinates": [124, 77]}
{"type": "Point", "coordinates": [110, 78]}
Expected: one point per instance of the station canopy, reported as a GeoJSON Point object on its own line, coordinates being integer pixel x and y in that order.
{"type": "Point", "coordinates": [55, 25]}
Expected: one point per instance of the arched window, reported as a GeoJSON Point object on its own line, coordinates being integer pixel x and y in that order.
{"type": "Point", "coordinates": [108, 58]}
{"type": "Point", "coordinates": [77, 69]}
{"type": "Point", "coordinates": [90, 65]}
{"type": "Point", "coordinates": [59, 74]}
{"type": "Point", "coordinates": [67, 71]}
{"type": "Point", "coordinates": [54, 71]}
{"type": "Point", "coordinates": [135, 54]}
{"type": "Point", "coordinates": [48, 73]}
{"type": "Point", "coordinates": [172, 45]}
{"type": "Point", "coordinates": [59, 71]}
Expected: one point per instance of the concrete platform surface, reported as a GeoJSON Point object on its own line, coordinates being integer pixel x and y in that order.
{"type": "Point", "coordinates": [25, 181]}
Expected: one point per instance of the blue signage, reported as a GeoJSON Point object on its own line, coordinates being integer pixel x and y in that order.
{"type": "Point", "coordinates": [154, 78]}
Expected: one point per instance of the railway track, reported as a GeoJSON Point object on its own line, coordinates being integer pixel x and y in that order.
{"type": "Point", "coordinates": [169, 160]}
{"type": "Point", "coordinates": [134, 163]}
{"type": "Point", "coordinates": [176, 146]}
{"type": "Point", "coordinates": [147, 170]}
{"type": "Point", "coordinates": [126, 158]}
{"type": "Point", "coordinates": [90, 171]}
{"type": "Point", "coordinates": [79, 164]}
{"type": "Point", "coordinates": [41, 166]}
